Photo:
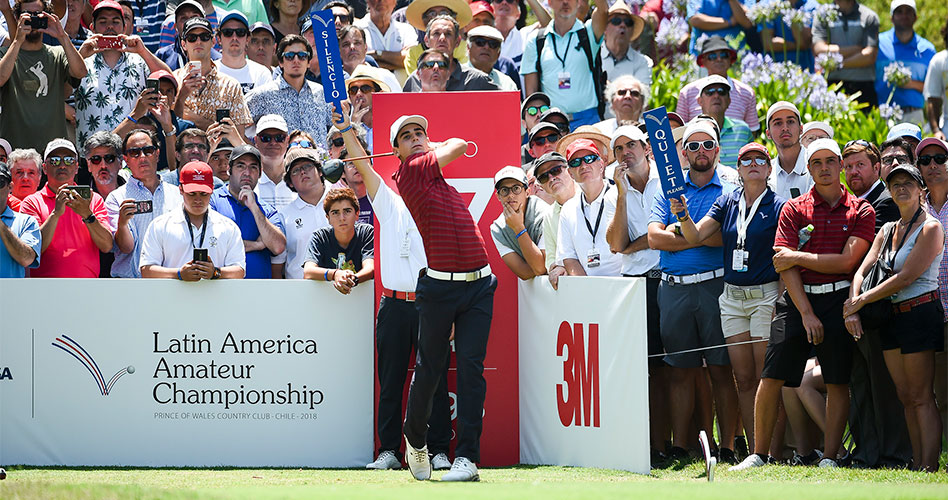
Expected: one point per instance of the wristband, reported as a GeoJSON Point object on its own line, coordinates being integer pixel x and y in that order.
{"type": "Point", "coordinates": [343, 131]}
{"type": "Point", "coordinates": [326, 276]}
{"type": "Point", "coordinates": [169, 134]}
{"type": "Point", "coordinates": [521, 233]}
{"type": "Point", "coordinates": [132, 119]}
{"type": "Point", "coordinates": [179, 275]}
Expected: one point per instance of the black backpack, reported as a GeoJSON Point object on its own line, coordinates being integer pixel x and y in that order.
{"type": "Point", "coordinates": [595, 64]}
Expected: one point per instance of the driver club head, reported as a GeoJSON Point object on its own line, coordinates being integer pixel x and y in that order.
{"type": "Point", "coordinates": [332, 170]}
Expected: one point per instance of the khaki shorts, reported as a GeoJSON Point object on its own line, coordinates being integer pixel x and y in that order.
{"type": "Point", "coordinates": [747, 308]}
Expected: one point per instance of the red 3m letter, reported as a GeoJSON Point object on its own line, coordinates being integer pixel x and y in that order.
{"type": "Point", "coordinates": [580, 376]}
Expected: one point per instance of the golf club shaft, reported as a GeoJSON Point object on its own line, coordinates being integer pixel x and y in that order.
{"type": "Point", "coordinates": [369, 156]}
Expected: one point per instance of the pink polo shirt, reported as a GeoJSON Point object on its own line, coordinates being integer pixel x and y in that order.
{"type": "Point", "coordinates": [71, 253]}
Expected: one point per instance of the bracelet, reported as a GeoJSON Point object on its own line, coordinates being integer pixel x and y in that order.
{"type": "Point", "coordinates": [131, 119]}
{"type": "Point", "coordinates": [685, 218]}
{"type": "Point", "coordinates": [343, 131]}
{"type": "Point", "coordinates": [326, 276]}
{"type": "Point", "coordinates": [169, 134]}
{"type": "Point", "coordinates": [521, 233]}
{"type": "Point", "coordinates": [179, 275]}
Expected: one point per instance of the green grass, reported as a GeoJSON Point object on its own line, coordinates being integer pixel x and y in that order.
{"type": "Point", "coordinates": [685, 482]}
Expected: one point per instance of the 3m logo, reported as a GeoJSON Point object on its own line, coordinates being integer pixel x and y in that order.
{"type": "Point", "coordinates": [580, 375]}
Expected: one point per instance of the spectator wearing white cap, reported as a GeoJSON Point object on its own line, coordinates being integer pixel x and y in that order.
{"type": "Point", "coordinates": [483, 47]}
{"type": "Point", "coordinates": [518, 232]}
{"type": "Point", "coordinates": [789, 176]}
{"type": "Point", "coordinates": [936, 81]}
{"type": "Point", "coordinates": [908, 131]}
{"type": "Point", "coordinates": [813, 131]}
{"type": "Point", "coordinates": [233, 34]}
{"type": "Point", "coordinates": [714, 99]}
{"type": "Point", "coordinates": [901, 43]}
{"type": "Point", "coordinates": [271, 141]}
{"type": "Point", "coordinates": [5, 150]}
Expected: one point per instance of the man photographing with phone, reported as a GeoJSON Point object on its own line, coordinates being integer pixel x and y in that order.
{"type": "Point", "coordinates": [174, 239]}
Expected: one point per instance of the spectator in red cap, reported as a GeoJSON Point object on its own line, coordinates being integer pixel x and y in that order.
{"type": "Point", "coordinates": [172, 241]}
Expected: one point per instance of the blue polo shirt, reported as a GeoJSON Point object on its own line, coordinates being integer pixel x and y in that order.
{"type": "Point", "coordinates": [715, 8]}
{"type": "Point", "coordinates": [760, 236]}
{"type": "Point", "coordinates": [258, 261]}
{"type": "Point", "coordinates": [693, 260]}
{"type": "Point", "coordinates": [27, 229]}
{"type": "Point", "coordinates": [916, 55]}
{"type": "Point", "coordinates": [781, 29]}
{"type": "Point", "coordinates": [564, 54]}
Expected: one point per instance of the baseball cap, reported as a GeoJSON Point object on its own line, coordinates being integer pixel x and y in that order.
{"type": "Point", "coordinates": [553, 112]}
{"type": "Point", "coordinates": [713, 80]}
{"type": "Point", "coordinates": [541, 126]}
{"type": "Point", "coordinates": [192, 3]}
{"type": "Point", "coordinates": [630, 131]}
{"type": "Point", "coordinates": [753, 146]}
{"type": "Point", "coordinates": [164, 75]}
{"type": "Point", "coordinates": [821, 145]}
{"type": "Point", "coordinates": [478, 7]}
{"type": "Point", "coordinates": [546, 158]}
{"type": "Point", "coordinates": [244, 149]}
{"type": "Point", "coordinates": [234, 15]}
{"type": "Point", "coordinates": [197, 23]}
{"type": "Point", "coordinates": [272, 121]}
{"type": "Point", "coordinates": [5, 175]}
{"type": "Point", "coordinates": [508, 172]}
{"type": "Point", "coordinates": [581, 145]}
{"type": "Point", "coordinates": [781, 106]}
{"type": "Point", "coordinates": [5, 144]}
{"type": "Point", "coordinates": [486, 32]}
{"type": "Point", "coordinates": [301, 154]}
{"type": "Point", "coordinates": [696, 126]}
{"type": "Point", "coordinates": [898, 3]}
{"type": "Point", "coordinates": [260, 25]}
{"type": "Point", "coordinates": [224, 145]}
{"type": "Point", "coordinates": [406, 120]}
{"type": "Point", "coordinates": [905, 130]}
{"type": "Point", "coordinates": [825, 127]}
{"type": "Point", "coordinates": [536, 95]}
{"type": "Point", "coordinates": [675, 116]}
{"type": "Point", "coordinates": [928, 142]}
{"type": "Point", "coordinates": [906, 169]}
{"type": "Point", "coordinates": [714, 44]}
{"type": "Point", "coordinates": [59, 144]}
{"type": "Point", "coordinates": [106, 4]}
{"type": "Point", "coordinates": [197, 177]}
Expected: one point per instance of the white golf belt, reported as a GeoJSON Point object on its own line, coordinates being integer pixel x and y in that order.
{"type": "Point", "coordinates": [691, 279]}
{"type": "Point", "coordinates": [470, 276]}
{"type": "Point", "coordinates": [826, 287]}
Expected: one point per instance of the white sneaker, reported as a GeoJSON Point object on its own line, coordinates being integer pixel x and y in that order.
{"type": "Point", "coordinates": [385, 460]}
{"type": "Point", "coordinates": [828, 462]}
{"type": "Point", "coordinates": [752, 460]}
{"type": "Point", "coordinates": [462, 470]}
{"type": "Point", "coordinates": [418, 462]}
{"type": "Point", "coordinates": [440, 462]}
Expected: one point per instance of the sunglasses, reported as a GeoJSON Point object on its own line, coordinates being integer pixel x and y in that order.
{"type": "Point", "coordinates": [504, 191]}
{"type": "Point", "coordinates": [345, 17]}
{"type": "Point", "coordinates": [137, 152]}
{"type": "Point", "coordinates": [338, 142]}
{"type": "Point", "coordinates": [551, 139]}
{"type": "Point", "coordinates": [723, 54]}
{"type": "Point", "coordinates": [616, 21]}
{"type": "Point", "coordinates": [760, 162]}
{"type": "Point", "coordinates": [716, 90]}
{"type": "Point", "coordinates": [365, 89]}
{"type": "Point", "coordinates": [553, 172]}
{"type": "Point", "coordinates": [623, 92]}
{"type": "Point", "coordinates": [205, 37]}
{"type": "Point", "coordinates": [861, 142]}
{"type": "Point", "coordinates": [504, 1]}
{"type": "Point", "coordinates": [302, 144]}
{"type": "Point", "coordinates": [575, 162]}
{"type": "Point", "coordinates": [536, 110]}
{"type": "Point", "coordinates": [289, 56]}
{"type": "Point", "coordinates": [939, 159]}
{"type": "Point", "coordinates": [61, 160]}
{"type": "Point", "coordinates": [266, 138]}
{"type": "Point", "coordinates": [97, 159]}
{"type": "Point", "coordinates": [229, 32]}
{"type": "Point", "coordinates": [490, 42]}
{"type": "Point", "coordinates": [431, 64]}
{"type": "Point", "coordinates": [706, 145]}
{"type": "Point", "coordinates": [894, 160]}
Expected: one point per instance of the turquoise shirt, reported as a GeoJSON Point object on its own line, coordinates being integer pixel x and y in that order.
{"type": "Point", "coordinates": [563, 55]}
{"type": "Point", "coordinates": [734, 135]}
{"type": "Point", "coordinates": [27, 230]}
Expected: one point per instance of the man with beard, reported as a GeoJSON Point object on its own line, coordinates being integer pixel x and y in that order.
{"type": "Point", "coordinates": [25, 169]}
{"type": "Point", "coordinates": [789, 176]}
{"type": "Point", "coordinates": [518, 232]}
{"type": "Point", "coordinates": [33, 78]}
{"type": "Point", "coordinates": [261, 226]}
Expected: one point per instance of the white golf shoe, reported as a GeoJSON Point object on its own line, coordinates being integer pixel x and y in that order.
{"type": "Point", "coordinates": [385, 460]}
{"type": "Point", "coordinates": [418, 462]}
{"type": "Point", "coordinates": [462, 470]}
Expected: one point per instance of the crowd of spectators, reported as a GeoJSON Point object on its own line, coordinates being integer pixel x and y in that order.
{"type": "Point", "coordinates": [192, 140]}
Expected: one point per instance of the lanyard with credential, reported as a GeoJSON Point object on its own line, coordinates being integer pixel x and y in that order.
{"type": "Point", "coordinates": [744, 219]}
{"type": "Point", "coordinates": [556, 51]}
{"type": "Point", "coordinates": [593, 232]}
{"type": "Point", "coordinates": [191, 231]}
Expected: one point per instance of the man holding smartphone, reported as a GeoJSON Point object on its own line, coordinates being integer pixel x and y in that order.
{"type": "Point", "coordinates": [116, 67]}
{"type": "Point", "coordinates": [174, 239]}
{"type": "Point", "coordinates": [133, 206]}
{"type": "Point", "coordinates": [73, 219]}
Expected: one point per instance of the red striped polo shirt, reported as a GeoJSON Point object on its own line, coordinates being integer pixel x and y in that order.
{"type": "Point", "coordinates": [833, 226]}
{"type": "Point", "coordinates": [452, 240]}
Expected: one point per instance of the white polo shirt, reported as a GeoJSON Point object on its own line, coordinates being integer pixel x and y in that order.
{"type": "Point", "coordinates": [798, 178]}
{"type": "Point", "coordinates": [168, 242]}
{"type": "Point", "coordinates": [401, 250]}
{"type": "Point", "coordinates": [300, 220]}
{"type": "Point", "coordinates": [399, 35]}
{"type": "Point", "coordinates": [638, 208]}
{"type": "Point", "coordinates": [575, 240]}
{"type": "Point", "coordinates": [278, 195]}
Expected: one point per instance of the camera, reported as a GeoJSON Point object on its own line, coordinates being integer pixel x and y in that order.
{"type": "Point", "coordinates": [38, 21]}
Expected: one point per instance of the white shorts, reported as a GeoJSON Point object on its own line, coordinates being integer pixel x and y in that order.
{"type": "Point", "coordinates": [748, 308]}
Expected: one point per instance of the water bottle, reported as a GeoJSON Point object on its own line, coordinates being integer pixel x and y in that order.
{"type": "Point", "coordinates": [804, 235]}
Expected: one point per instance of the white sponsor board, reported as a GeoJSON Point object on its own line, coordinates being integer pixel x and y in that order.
{"type": "Point", "coordinates": [166, 373]}
{"type": "Point", "coordinates": [583, 373]}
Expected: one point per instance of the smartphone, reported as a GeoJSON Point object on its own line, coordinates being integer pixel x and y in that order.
{"type": "Point", "coordinates": [195, 66]}
{"type": "Point", "coordinates": [143, 207]}
{"type": "Point", "coordinates": [38, 22]}
{"type": "Point", "coordinates": [111, 42]}
{"type": "Point", "coordinates": [221, 114]}
{"type": "Point", "coordinates": [151, 84]}
{"type": "Point", "coordinates": [200, 255]}
{"type": "Point", "coordinates": [84, 192]}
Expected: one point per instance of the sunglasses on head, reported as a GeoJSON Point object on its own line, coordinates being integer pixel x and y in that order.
{"type": "Point", "coordinates": [504, 191]}
{"type": "Point", "coordinates": [536, 110]}
{"type": "Point", "coordinates": [205, 37]}
{"type": "Point", "coordinates": [539, 141]}
{"type": "Point", "coordinates": [553, 172]}
{"type": "Point", "coordinates": [265, 138]}
{"type": "Point", "coordinates": [61, 160]}
{"type": "Point", "coordinates": [723, 54]}
{"type": "Point", "coordinates": [706, 145]}
{"type": "Point", "coordinates": [338, 142]}
{"type": "Point", "coordinates": [716, 90]}
{"type": "Point", "coordinates": [365, 89]}
{"type": "Point", "coordinates": [746, 162]}
{"type": "Point", "coordinates": [301, 54]}
{"type": "Point", "coordinates": [137, 152]}
{"type": "Point", "coordinates": [616, 21]}
{"type": "Point", "coordinates": [490, 42]}
{"type": "Point", "coordinates": [861, 142]}
{"type": "Point", "coordinates": [575, 162]}
{"type": "Point", "coordinates": [97, 159]}
{"type": "Point", "coordinates": [939, 159]}
{"type": "Point", "coordinates": [304, 143]}
{"type": "Point", "coordinates": [229, 32]}
{"type": "Point", "coordinates": [631, 92]}
{"type": "Point", "coordinates": [431, 64]}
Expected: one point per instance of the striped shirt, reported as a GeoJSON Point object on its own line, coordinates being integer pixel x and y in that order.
{"type": "Point", "coordinates": [942, 217]}
{"type": "Point", "coordinates": [833, 226]}
{"type": "Point", "coordinates": [165, 199]}
{"type": "Point", "coordinates": [734, 135]}
{"type": "Point", "coordinates": [453, 243]}
{"type": "Point", "coordinates": [168, 33]}
{"type": "Point", "coordinates": [148, 18]}
{"type": "Point", "coordinates": [743, 103]}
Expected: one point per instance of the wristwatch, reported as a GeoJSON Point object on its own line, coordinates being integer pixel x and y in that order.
{"type": "Point", "coordinates": [169, 134]}
{"type": "Point", "coordinates": [217, 273]}
{"type": "Point", "coordinates": [90, 219]}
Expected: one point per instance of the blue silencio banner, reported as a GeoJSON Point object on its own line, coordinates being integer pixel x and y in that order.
{"type": "Point", "coordinates": [327, 52]}
{"type": "Point", "coordinates": [663, 149]}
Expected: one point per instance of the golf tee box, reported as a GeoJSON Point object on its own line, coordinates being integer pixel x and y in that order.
{"type": "Point", "coordinates": [664, 151]}
{"type": "Point", "coordinates": [326, 48]}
